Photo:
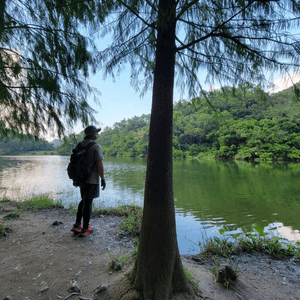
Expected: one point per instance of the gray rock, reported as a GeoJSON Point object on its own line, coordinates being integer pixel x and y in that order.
{"type": "Point", "coordinates": [74, 287]}
{"type": "Point", "coordinates": [101, 288]}
{"type": "Point", "coordinates": [57, 223]}
{"type": "Point", "coordinates": [117, 266]}
{"type": "Point", "coordinates": [225, 273]}
{"type": "Point", "coordinates": [44, 289]}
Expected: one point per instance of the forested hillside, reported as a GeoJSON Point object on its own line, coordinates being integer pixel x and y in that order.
{"type": "Point", "coordinates": [236, 123]}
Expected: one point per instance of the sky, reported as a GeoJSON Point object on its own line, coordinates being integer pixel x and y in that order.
{"type": "Point", "coordinates": [285, 82]}
{"type": "Point", "coordinates": [118, 100]}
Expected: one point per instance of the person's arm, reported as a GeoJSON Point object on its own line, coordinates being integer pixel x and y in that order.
{"type": "Point", "coordinates": [100, 170]}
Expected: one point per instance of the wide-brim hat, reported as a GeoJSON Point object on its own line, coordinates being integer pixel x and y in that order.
{"type": "Point", "coordinates": [90, 130]}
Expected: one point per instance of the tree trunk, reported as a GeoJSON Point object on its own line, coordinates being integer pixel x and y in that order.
{"type": "Point", "coordinates": [158, 271]}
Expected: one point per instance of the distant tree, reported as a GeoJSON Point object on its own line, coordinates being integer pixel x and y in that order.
{"type": "Point", "coordinates": [44, 61]}
{"type": "Point", "coordinates": [22, 144]}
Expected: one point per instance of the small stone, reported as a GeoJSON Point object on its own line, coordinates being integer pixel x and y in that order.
{"type": "Point", "coordinates": [117, 266]}
{"type": "Point", "coordinates": [101, 288]}
{"type": "Point", "coordinates": [8, 298]}
{"type": "Point", "coordinates": [57, 223]}
{"type": "Point", "coordinates": [225, 273]}
{"type": "Point", "coordinates": [74, 287]}
{"type": "Point", "coordinates": [44, 289]}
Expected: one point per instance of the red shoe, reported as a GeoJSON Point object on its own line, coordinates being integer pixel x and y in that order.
{"type": "Point", "coordinates": [76, 228]}
{"type": "Point", "coordinates": [86, 232]}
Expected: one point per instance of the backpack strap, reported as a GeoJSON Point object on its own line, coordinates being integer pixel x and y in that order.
{"type": "Point", "coordinates": [87, 147]}
{"type": "Point", "coordinates": [79, 146]}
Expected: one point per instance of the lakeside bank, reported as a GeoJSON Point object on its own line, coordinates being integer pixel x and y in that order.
{"type": "Point", "coordinates": [37, 254]}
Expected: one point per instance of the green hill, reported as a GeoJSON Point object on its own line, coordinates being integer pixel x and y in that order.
{"type": "Point", "coordinates": [235, 123]}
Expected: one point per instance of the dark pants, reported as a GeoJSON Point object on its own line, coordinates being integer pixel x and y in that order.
{"type": "Point", "coordinates": [88, 193]}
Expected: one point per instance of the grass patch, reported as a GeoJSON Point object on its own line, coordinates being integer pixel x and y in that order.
{"type": "Point", "coordinates": [250, 242]}
{"type": "Point", "coordinates": [194, 283]}
{"type": "Point", "coordinates": [131, 224]}
{"type": "Point", "coordinates": [117, 262]}
{"type": "Point", "coordinates": [132, 217]}
{"type": "Point", "coordinates": [13, 216]}
{"type": "Point", "coordinates": [2, 231]}
{"type": "Point", "coordinates": [73, 208]}
{"type": "Point", "coordinates": [4, 199]}
{"type": "Point", "coordinates": [124, 210]}
{"type": "Point", "coordinates": [122, 259]}
{"type": "Point", "coordinates": [41, 202]}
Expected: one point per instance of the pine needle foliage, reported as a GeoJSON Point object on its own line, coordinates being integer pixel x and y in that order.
{"type": "Point", "coordinates": [229, 41]}
{"type": "Point", "coordinates": [46, 58]}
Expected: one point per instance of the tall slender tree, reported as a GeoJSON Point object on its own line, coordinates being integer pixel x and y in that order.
{"type": "Point", "coordinates": [232, 41]}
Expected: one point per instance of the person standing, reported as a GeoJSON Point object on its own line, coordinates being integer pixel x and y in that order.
{"type": "Point", "coordinates": [90, 188]}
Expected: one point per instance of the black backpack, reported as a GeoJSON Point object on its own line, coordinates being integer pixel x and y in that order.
{"type": "Point", "coordinates": [78, 169]}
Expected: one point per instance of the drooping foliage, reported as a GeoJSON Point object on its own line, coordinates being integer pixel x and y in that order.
{"type": "Point", "coordinates": [45, 60]}
{"type": "Point", "coordinates": [228, 41]}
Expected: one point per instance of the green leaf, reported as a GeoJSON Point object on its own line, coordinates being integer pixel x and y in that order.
{"type": "Point", "coordinates": [236, 235]}
{"type": "Point", "coordinates": [221, 231]}
{"type": "Point", "coordinates": [217, 240]}
{"type": "Point", "coordinates": [259, 230]}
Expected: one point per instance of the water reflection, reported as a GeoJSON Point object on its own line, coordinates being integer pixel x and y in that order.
{"type": "Point", "coordinates": [238, 193]}
{"type": "Point", "coordinates": [27, 177]}
{"type": "Point", "coordinates": [24, 177]}
{"type": "Point", "coordinates": [209, 195]}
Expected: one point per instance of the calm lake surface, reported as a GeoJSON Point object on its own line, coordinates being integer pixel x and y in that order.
{"type": "Point", "coordinates": [209, 195]}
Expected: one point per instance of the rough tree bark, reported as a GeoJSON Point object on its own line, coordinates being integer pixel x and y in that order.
{"type": "Point", "coordinates": [158, 271]}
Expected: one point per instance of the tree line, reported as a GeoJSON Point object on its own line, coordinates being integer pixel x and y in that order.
{"type": "Point", "coordinates": [243, 123]}
{"type": "Point", "coordinates": [14, 145]}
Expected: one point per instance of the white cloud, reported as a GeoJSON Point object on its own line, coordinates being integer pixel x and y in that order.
{"type": "Point", "coordinates": [284, 82]}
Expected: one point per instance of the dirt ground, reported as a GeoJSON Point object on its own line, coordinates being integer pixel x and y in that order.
{"type": "Point", "coordinates": [40, 260]}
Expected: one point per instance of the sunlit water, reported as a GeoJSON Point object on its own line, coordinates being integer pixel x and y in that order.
{"type": "Point", "coordinates": [209, 195]}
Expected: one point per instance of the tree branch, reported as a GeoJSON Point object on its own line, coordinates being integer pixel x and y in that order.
{"type": "Point", "coordinates": [216, 28]}
{"type": "Point", "coordinates": [185, 8]}
{"type": "Point", "coordinates": [137, 14]}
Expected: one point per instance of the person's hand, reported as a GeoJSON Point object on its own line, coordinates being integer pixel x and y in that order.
{"type": "Point", "coordinates": [103, 184]}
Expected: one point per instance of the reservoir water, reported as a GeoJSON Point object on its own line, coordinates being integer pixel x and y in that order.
{"type": "Point", "coordinates": [209, 195]}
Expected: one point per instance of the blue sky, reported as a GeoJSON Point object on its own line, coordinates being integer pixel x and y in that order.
{"type": "Point", "coordinates": [118, 99]}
